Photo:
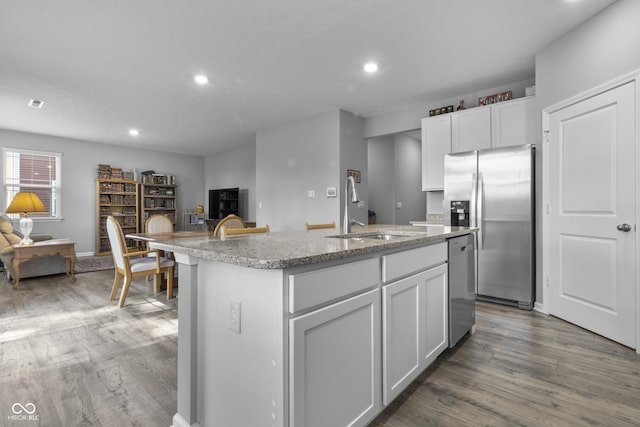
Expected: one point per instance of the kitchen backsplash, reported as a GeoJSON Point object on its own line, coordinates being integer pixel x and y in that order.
{"type": "Point", "coordinates": [435, 218]}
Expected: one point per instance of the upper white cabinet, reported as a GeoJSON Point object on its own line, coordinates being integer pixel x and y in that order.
{"type": "Point", "coordinates": [497, 125]}
{"type": "Point", "coordinates": [513, 122]}
{"type": "Point", "coordinates": [436, 142]}
{"type": "Point", "coordinates": [471, 129]}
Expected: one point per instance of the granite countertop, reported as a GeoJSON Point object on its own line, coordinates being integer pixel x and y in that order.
{"type": "Point", "coordinates": [278, 250]}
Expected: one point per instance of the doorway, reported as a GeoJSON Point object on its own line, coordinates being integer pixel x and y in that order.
{"type": "Point", "coordinates": [395, 178]}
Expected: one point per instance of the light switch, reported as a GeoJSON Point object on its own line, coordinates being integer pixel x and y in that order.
{"type": "Point", "coordinates": [399, 205]}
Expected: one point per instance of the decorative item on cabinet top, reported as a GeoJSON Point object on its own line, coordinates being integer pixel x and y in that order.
{"type": "Point", "coordinates": [441, 110]}
{"type": "Point", "coordinates": [496, 97]}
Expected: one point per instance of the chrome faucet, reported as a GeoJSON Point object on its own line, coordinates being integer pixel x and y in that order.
{"type": "Point", "coordinates": [346, 222]}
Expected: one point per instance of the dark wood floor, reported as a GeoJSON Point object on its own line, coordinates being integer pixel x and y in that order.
{"type": "Point", "coordinates": [83, 362]}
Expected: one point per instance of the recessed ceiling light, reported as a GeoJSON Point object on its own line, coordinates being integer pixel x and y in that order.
{"type": "Point", "coordinates": [370, 67]}
{"type": "Point", "coordinates": [134, 132]}
{"type": "Point", "coordinates": [201, 79]}
{"type": "Point", "coordinates": [36, 103]}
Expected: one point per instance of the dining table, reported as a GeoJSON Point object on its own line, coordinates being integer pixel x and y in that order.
{"type": "Point", "coordinates": [167, 235]}
{"type": "Point", "coordinates": [152, 237]}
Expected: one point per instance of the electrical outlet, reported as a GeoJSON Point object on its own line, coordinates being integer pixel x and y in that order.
{"type": "Point", "coordinates": [399, 205]}
{"type": "Point", "coordinates": [311, 194]}
{"type": "Point", "coordinates": [235, 316]}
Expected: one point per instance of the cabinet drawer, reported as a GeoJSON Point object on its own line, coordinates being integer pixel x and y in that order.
{"type": "Point", "coordinates": [316, 287]}
{"type": "Point", "coordinates": [408, 262]}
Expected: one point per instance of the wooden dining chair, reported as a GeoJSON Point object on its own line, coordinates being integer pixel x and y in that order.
{"type": "Point", "coordinates": [308, 226]}
{"type": "Point", "coordinates": [157, 224]}
{"type": "Point", "coordinates": [128, 265]}
{"type": "Point", "coordinates": [230, 221]}
{"type": "Point", "coordinates": [226, 232]}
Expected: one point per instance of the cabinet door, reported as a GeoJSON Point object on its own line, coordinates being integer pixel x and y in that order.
{"type": "Point", "coordinates": [334, 372]}
{"type": "Point", "coordinates": [400, 335]}
{"type": "Point", "coordinates": [514, 122]}
{"type": "Point", "coordinates": [436, 311]}
{"type": "Point", "coordinates": [471, 129]}
{"type": "Point", "coordinates": [436, 142]}
{"type": "Point", "coordinates": [415, 328]}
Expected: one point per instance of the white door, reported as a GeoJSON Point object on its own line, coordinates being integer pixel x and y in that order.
{"type": "Point", "coordinates": [592, 184]}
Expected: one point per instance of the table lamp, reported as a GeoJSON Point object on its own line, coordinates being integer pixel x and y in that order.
{"type": "Point", "coordinates": [26, 203]}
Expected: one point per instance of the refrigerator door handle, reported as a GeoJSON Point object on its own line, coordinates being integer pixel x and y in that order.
{"type": "Point", "coordinates": [474, 199]}
{"type": "Point", "coordinates": [480, 213]}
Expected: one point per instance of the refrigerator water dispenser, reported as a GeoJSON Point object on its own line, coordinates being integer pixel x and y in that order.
{"type": "Point", "coordinates": [460, 213]}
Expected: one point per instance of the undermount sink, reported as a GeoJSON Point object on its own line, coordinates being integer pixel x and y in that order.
{"type": "Point", "coordinates": [381, 235]}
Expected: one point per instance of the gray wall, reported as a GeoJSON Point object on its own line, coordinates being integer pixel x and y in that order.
{"type": "Point", "coordinates": [80, 160]}
{"type": "Point", "coordinates": [381, 159]}
{"type": "Point", "coordinates": [353, 155]}
{"type": "Point", "coordinates": [407, 117]}
{"type": "Point", "coordinates": [395, 173]}
{"type": "Point", "coordinates": [234, 168]}
{"type": "Point", "coordinates": [291, 160]}
{"type": "Point", "coordinates": [408, 180]}
{"type": "Point", "coordinates": [602, 49]}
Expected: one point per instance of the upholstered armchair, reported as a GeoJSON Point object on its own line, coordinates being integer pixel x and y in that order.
{"type": "Point", "coordinates": [40, 266]}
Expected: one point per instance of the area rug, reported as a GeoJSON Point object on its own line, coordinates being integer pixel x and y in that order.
{"type": "Point", "coordinates": [94, 263]}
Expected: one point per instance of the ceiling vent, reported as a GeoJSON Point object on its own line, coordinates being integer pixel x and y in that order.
{"type": "Point", "coordinates": [36, 103]}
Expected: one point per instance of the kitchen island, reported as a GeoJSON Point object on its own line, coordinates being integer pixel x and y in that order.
{"type": "Point", "coordinates": [307, 328]}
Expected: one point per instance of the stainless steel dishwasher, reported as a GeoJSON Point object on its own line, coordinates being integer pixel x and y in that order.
{"type": "Point", "coordinates": [462, 287]}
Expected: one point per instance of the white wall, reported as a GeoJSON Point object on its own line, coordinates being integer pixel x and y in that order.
{"type": "Point", "coordinates": [603, 48]}
{"type": "Point", "coordinates": [230, 169]}
{"type": "Point", "coordinates": [80, 160]}
{"type": "Point", "coordinates": [291, 160]}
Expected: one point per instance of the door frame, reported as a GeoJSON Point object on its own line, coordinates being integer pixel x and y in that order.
{"type": "Point", "coordinates": [546, 184]}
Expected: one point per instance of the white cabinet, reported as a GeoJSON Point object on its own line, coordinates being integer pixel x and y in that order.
{"type": "Point", "coordinates": [471, 129]}
{"type": "Point", "coordinates": [335, 356]}
{"type": "Point", "coordinates": [513, 122]}
{"type": "Point", "coordinates": [436, 142]}
{"type": "Point", "coordinates": [498, 125]}
{"type": "Point", "coordinates": [414, 318]}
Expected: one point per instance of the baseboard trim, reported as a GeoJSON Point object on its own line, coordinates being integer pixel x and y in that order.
{"type": "Point", "coordinates": [178, 421]}
{"type": "Point", "coordinates": [539, 307]}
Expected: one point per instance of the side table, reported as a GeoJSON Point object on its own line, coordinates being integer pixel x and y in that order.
{"type": "Point", "coordinates": [63, 247]}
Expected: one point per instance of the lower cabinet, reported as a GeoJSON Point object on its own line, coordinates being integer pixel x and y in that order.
{"type": "Point", "coordinates": [335, 356]}
{"type": "Point", "coordinates": [414, 327]}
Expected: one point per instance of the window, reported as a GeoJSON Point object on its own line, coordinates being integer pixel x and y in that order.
{"type": "Point", "coordinates": [34, 171]}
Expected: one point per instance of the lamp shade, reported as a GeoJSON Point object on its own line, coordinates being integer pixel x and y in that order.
{"type": "Point", "coordinates": [25, 202]}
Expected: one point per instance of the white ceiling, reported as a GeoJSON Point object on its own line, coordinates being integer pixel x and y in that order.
{"type": "Point", "coordinates": [102, 67]}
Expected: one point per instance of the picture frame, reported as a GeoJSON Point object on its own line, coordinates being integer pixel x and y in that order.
{"type": "Point", "coordinates": [355, 174]}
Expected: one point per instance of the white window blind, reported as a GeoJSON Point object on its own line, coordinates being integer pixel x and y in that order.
{"type": "Point", "coordinates": [33, 171]}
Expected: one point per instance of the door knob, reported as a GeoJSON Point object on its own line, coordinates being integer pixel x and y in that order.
{"type": "Point", "coordinates": [624, 227]}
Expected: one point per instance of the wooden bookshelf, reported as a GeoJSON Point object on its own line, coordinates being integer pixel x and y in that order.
{"type": "Point", "coordinates": [158, 196]}
{"type": "Point", "coordinates": [118, 198]}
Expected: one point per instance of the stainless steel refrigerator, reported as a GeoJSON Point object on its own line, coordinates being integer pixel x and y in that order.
{"type": "Point", "coordinates": [493, 190]}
